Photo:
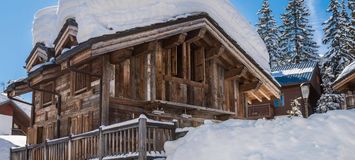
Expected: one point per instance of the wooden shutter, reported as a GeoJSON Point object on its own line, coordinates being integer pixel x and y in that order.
{"type": "Point", "coordinates": [174, 62]}
{"type": "Point", "coordinates": [47, 98]}
{"type": "Point", "coordinates": [199, 67]}
{"type": "Point", "coordinates": [81, 81]}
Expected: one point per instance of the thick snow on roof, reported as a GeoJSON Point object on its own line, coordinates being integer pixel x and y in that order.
{"type": "Point", "coordinates": [99, 17]}
{"type": "Point", "coordinates": [24, 107]}
{"type": "Point", "coordinates": [328, 136]}
{"type": "Point", "coordinates": [347, 70]}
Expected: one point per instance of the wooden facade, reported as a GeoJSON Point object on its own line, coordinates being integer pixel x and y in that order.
{"type": "Point", "coordinates": [187, 70]}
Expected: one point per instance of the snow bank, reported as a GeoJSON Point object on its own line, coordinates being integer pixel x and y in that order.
{"type": "Point", "coordinates": [329, 136]}
{"type": "Point", "coordinates": [99, 17]}
{"type": "Point", "coordinates": [6, 142]}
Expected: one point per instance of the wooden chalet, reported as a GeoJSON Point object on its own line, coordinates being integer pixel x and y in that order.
{"type": "Point", "coordinates": [345, 83]}
{"type": "Point", "coordinates": [291, 77]}
{"type": "Point", "coordinates": [187, 70]}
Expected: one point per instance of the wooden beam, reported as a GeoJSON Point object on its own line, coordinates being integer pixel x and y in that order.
{"type": "Point", "coordinates": [262, 92]}
{"type": "Point", "coordinates": [196, 35]}
{"type": "Point", "coordinates": [250, 86]}
{"type": "Point", "coordinates": [174, 40]}
{"type": "Point", "coordinates": [144, 48]}
{"type": "Point", "coordinates": [107, 71]}
{"type": "Point", "coordinates": [215, 52]}
{"type": "Point", "coordinates": [235, 73]}
{"type": "Point", "coordinates": [255, 96]}
{"type": "Point", "coordinates": [120, 55]}
{"type": "Point", "coordinates": [210, 40]}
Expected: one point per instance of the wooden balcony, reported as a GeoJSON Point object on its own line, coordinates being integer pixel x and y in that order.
{"type": "Point", "coordinates": [140, 139]}
{"type": "Point", "coordinates": [260, 111]}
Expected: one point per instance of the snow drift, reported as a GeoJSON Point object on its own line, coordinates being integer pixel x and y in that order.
{"type": "Point", "coordinates": [329, 136]}
{"type": "Point", "coordinates": [6, 142]}
{"type": "Point", "coordinates": [99, 17]}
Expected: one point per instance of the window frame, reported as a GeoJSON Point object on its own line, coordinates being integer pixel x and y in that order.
{"type": "Point", "coordinates": [85, 77]}
{"type": "Point", "coordinates": [44, 102]}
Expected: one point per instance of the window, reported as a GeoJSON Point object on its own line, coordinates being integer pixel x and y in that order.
{"type": "Point", "coordinates": [197, 62]}
{"type": "Point", "coordinates": [194, 60]}
{"type": "Point", "coordinates": [47, 98]}
{"type": "Point", "coordinates": [40, 135]}
{"type": "Point", "coordinates": [81, 81]}
{"type": "Point", "coordinates": [279, 102]}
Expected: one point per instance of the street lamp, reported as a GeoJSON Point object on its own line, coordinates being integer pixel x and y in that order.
{"type": "Point", "coordinates": [305, 89]}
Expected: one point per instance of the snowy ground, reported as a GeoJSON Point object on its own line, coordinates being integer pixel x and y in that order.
{"type": "Point", "coordinates": [329, 136]}
{"type": "Point", "coordinates": [6, 142]}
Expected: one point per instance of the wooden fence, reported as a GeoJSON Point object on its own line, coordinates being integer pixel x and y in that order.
{"type": "Point", "coordinates": [260, 111]}
{"type": "Point", "coordinates": [140, 139]}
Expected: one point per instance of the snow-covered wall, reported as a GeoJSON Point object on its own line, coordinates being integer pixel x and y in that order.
{"type": "Point", "coordinates": [98, 17]}
{"type": "Point", "coordinates": [5, 124]}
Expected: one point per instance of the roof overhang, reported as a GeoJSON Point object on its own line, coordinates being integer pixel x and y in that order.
{"type": "Point", "coordinates": [18, 88]}
{"type": "Point", "coordinates": [345, 82]}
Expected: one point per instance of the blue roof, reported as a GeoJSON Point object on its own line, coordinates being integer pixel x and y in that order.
{"type": "Point", "coordinates": [294, 73]}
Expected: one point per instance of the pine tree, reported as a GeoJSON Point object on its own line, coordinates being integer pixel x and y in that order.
{"type": "Point", "coordinates": [267, 30]}
{"type": "Point", "coordinates": [338, 41]}
{"type": "Point", "coordinates": [296, 43]}
{"type": "Point", "coordinates": [337, 37]}
{"type": "Point", "coordinates": [351, 5]}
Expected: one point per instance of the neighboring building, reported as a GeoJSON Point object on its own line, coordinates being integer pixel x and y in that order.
{"type": "Point", "coordinates": [14, 116]}
{"type": "Point", "coordinates": [291, 77]}
{"type": "Point", "coordinates": [186, 68]}
{"type": "Point", "coordinates": [345, 83]}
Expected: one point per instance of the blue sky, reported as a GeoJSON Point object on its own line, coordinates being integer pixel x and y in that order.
{"type": "Point", "coordinates": [16, 23]}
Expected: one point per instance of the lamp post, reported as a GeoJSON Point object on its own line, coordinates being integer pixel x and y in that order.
{"type": "Point", "coordinates": [305, 89]}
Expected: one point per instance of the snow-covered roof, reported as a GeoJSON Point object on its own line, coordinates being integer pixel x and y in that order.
{"type": "Point", "coordinates": [348, 70]}
{"type": "Point", "coordinates": [26, 108]}
{"type": "Point", "coordinates": [100, 17]}
{"type": "Point", "coordinates": [294, 73]}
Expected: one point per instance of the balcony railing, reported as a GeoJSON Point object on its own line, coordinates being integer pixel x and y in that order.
{"type": "Point", "coordinates": [140, 139]}
{"type": "Point", "coordinates": [260, 111]}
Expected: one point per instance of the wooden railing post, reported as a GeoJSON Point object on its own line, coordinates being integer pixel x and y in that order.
{"type": "Point", "coordinates": [10, 153]}
{"type": "Point", "coordinates": [174, 129]}
{"type": "Point", "coordinates": [101, 144]}
{"type": "Point", "coordinates": [142, 140]}
{"type": "Point", "coordinates": [26, 152]}
{"type": "Point", "coordinates": [69, 147]}
{"type": "Point", "coordinates": [46, 150]}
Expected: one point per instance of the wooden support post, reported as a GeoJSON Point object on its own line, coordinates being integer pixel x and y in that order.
{"type": "Point", "coordinates": [46, 150]}
{"type": "Point", "coordinates": [101, 144]}
{"type": "Point", "coordinates": [174, 129]}
{"type": "Point", "coordinates": [10, 153]}
{"type": "Point", "coordinates": [213, 84]}
{"type": "Point", "coordinates": [107, 71]}
{"type": "Point", "coordinates": [142, 144]}
{"type": "Point", "coordinates": [26, 153]}
{"type": "Point", "coordinates": [69, 147]}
